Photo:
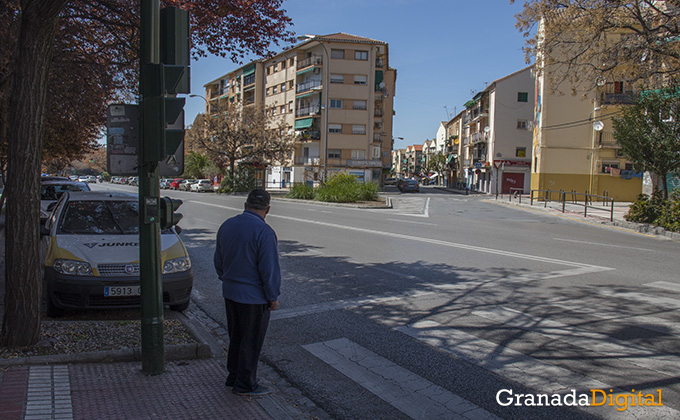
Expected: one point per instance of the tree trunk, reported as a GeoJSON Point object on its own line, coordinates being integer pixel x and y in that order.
{"type": "Point", "coordinates": [23, 279]}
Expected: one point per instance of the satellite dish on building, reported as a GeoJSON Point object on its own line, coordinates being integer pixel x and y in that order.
{"type": "Point", "coordinates": [487, 129]}
{"type": "Point", "coordinates": [600, 81]}
{"type": "Point", "coordinates": [598, 125]}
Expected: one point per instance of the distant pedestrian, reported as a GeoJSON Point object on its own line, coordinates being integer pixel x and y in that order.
{"type": "Point", "coordinates": [247, 262]}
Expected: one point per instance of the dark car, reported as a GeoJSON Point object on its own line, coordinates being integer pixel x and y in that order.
{"type": "Point", "coordinates": [50, 192]}
{"type": "Point", "coordinates": [409, 185]}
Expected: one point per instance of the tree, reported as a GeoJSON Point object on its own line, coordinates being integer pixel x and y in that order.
{"type": "Point", "coordinates": [243, 135]}
{"type": "Point", "coordinates": [590, 41]}
{"type": "Point", "coordinates": [648, 132]}
{"type": "Point", "coordinates": [197, 165]}
{"type": "Point", "coordinates": [96, 43]}
{"type": "Point", "coordinates": [437, 163]}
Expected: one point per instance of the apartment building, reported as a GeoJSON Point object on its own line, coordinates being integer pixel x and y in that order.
{"type": "Point", "coordinates": [496, 135]}
{"type": "Point", "coordinates": [414, 160]}
{"type": "Point", "coordinates": [453, 149]}
{"type": "Point", "coordinates": [399, 163]}
{"type": "Point", "coordinates": [336, 92]}
{"type": "Point", "coordinates": [573, 137]}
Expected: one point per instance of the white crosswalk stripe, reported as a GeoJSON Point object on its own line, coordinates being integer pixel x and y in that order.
{"type": "Point", "coordinates": [403, 389]}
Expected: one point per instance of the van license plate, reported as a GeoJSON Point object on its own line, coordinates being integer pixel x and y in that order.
{"type": "Point", "coordinates": [113, 291]}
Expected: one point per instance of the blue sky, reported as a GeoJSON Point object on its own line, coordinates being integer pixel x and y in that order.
{"type": "Point", "coordinates": [442, 50]}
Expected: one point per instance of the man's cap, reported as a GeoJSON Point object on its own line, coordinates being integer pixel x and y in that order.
{"type": "Point", "coordinates": [258, 199]}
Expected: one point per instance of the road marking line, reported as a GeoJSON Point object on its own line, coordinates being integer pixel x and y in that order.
{"type": "Point", "coordinates": [409, 393]}
{"type": "Point", "coordinates": [601, 343]}
{"type": "Point", "coordinates": [412, 221]}
{"type": "Point", "coordinates": [603, 244]}
{"type": "Point", "coordinates": [424, 291]}
{"type": "Point", "coordinates": [467, 247]}
{"type": "Point", "coordinates": [664, 285]}
{"type": "Point", "coordinates": [533, 373]}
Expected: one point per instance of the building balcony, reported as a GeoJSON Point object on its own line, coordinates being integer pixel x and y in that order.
{"type": "Point", "coordinates": [309, 135]}
{"type": "Point", "coordinates": [378, 112]}
{"type": "Point", "coordinates": [377, 137]}
{"type": "Point", "coordinates": [307, 86]}
{"type": "Point", "coordinates": [307, 111]}
{"type": "Point", "coordinates": [478, 137]}
{"type": "Point", "coordinates": [308, 160]}
{"type": "Point", "coordinates": [606, 139]}
{"type": "Point", "coordinates": [315, 60]}
{"type": "Point", "coordinates": [624, 98]}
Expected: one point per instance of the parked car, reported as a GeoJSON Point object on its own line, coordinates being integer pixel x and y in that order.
{"type": "Point", "coordinates": [134, 181]}
{"type": "Point", "coordinates": [51, 191]}
{"type": "Point", "coordinates": [409, 185]}
{"type": "Point", "coordinates": [174, 185]}
{"type": "Point", "coordinates": [165, 183]}
{"type": "Point", "coordinates": [92, 257]}
{"type": "Point", "coordinates": [390, 181]}
{"type": "Point", "coordinates": [202, 185]}
{"type": "Point", "coordinates": [45, 178]}
{"type": "Point", "coordinates": [185, 185]}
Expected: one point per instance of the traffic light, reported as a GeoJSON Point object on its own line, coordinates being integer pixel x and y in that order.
{"type": "Point", "coordinates": [168, 216]}
{"type": "Point", "coordinates": [163, 114]}
{"type": "Point", "coordinates": [174, 46]}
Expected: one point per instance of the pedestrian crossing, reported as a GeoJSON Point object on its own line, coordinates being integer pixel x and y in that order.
{"type": "Point", "coordinates": [650, 365]}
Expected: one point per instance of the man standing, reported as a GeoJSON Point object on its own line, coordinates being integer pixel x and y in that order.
{"type": "Point", "coordinates": [247, 262]}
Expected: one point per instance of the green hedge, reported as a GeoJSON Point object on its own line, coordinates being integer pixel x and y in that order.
{"type": "Point", "coordinates": [340, 188]}
{"type": "Point", "coordinates": [656, 210]}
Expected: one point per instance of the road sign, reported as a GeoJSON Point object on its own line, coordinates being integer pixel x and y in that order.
{"type": "Point", "coordinates": [478, 165]}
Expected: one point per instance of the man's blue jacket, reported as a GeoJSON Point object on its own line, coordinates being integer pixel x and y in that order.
{"type": "Point", "coordinates": [247, 259]}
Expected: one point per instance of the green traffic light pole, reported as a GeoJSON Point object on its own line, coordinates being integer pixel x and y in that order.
{"type": "Point", "coordinates": [151, 91]}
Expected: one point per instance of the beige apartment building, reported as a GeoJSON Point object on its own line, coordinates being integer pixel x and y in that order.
{"type": "Point", "coordinates": [335, 92]}
{"type": "Point", "coordinates": [573, 138]}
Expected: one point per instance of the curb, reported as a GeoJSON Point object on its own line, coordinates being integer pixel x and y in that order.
{"type": "Point", "coordinates": [388, 202]}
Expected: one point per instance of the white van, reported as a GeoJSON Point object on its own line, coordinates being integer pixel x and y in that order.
{"type": "Point", "coordinates": [92, 258]}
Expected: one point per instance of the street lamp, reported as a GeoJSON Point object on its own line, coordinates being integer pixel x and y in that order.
{"type": "Point", "coordinates": [207, 104]}
{"type": "Point", "coordinates": [326, 106]}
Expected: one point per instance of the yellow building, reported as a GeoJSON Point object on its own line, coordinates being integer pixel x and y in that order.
{"type": "Point", "coordinates": [573, 140]}
{"type": "Point", "coordinates": [336, 92]}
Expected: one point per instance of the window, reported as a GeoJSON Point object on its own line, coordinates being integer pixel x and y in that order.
{"type": "Point", "coordinates": [274, 90]}
{"type": "Point", "coordinates": [338, 54]}
{"type": "Point", "coordinates": [522, 96]}
{"type": "Point", "coordinates": [333, 154]}
{"type": "Point", "coordinates": [283, 64]}
{"type": "Point", "coordinates": [521, 152]}
{"type": "Point", "coordinates": [291, 62]}
{"type": "Point", "coordinates": [522, 124]}
{"type": "Point", "coordinates": [291, 84]}
{"type": "Point", "coordinates": [337, 78]}
{"type": "Point", "coordinates": [276, 67]}
{"type": "Point", "coordinates": [266, 92]}
{"type": "Point", "coordinates": [282, 109]}
{"type": "Point", "coordinates": [249, 80]}
{"type": "Point", "coordinates": [361, 55]}
{"type": "Point", "coordinates": [290, 106]}
{"type": "Point", "coordinates": [359, 105]}
{"type": "Point", "coordinates": [607, 167]}
{"type": "Point", "coordinates": [269, 70]}
{"type": "Point", "coordinates": [360, 80]}
{"type": "Point", "coordinates": [358, 129]}
{"type": "Point", "coordinates": [283, 87]}
{"type": "Point", "coordinates": [376, 152]}
{"type": "Point", "coordinates": [358, 154]}
{"type": "Point", "coordinates": [336, 103]}
{"type": "Point", "coordinates": [335, 128]}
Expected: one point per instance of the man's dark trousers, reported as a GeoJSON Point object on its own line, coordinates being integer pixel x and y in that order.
{"type": "Point", "coordinates": [247, 325]}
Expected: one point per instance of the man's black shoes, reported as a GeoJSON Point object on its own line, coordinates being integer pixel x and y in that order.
{"type": "Point", "coordinates": [257, 392]}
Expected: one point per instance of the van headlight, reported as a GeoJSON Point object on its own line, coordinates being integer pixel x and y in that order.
{"type": "Point", "coordinates": [176, 265]}
{"type": "Point", "coordinates": [72, 267]}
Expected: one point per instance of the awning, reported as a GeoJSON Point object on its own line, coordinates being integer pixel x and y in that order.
{"type": "Point", "coordinates": [304, 123]}
{"type": "Point", "coordinates": [304, 71]}
{"type": "Point", "coordinates": [307, 94]}
{"type": "Point", "coordinates": [449, 157]}
{"type": "Point", "coordinates": [249, 70]}
{"type": "Point", "coordinates": [469, 103]}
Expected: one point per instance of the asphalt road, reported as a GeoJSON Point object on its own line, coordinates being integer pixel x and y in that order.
{"type": "Point", "coordinates": [449, 306]}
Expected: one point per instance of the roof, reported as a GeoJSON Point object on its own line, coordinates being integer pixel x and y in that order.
{"type": "Point", "coordinates": [102, 196]}
{"type": "Point", "coordinates": [343, 37]}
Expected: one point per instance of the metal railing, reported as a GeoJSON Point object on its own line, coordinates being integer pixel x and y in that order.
{"type": "Point", "coordinates": [572, 197]}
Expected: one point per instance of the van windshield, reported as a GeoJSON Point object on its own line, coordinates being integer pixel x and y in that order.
{"type": "Point", "coordinates": [100, 217]}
